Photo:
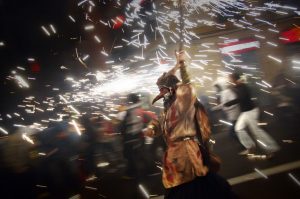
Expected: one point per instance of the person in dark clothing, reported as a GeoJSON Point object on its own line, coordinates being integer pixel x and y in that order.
{"type": "Point", "coordinates": [131, 129]}
{"type": "Point", "coordinates": [248, 118]}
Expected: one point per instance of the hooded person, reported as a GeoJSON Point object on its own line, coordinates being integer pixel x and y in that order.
{"type": "Point", "coordinates": [184, 173]}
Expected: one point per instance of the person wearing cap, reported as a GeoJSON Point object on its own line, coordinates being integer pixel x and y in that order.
{"type": "Point", "coordinates": [184, 174]}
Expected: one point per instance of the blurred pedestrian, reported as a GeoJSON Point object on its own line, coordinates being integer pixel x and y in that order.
{"type": "Point", "coordinates": [131, 128]}
{"type": "Point", "coordinates": [185, 175]}
{"type": "Point", "coordinates": [249, 118]}
{"type": "Point", "coordinates": [227, 94]}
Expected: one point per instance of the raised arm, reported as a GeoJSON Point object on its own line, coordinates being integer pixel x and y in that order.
{"type": "Point", "coordinates": [185, 94]}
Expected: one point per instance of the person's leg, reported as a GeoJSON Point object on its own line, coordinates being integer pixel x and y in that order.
{"type": "Point", "coordinates": [129, 155]}
{"type": "Point", "coordinates": [262, 137]}
{"type": "Point", "coordinates": [240, 129]}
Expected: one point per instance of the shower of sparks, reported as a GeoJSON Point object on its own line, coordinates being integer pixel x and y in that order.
{"type": "Point", "coordinates": [152, 33]}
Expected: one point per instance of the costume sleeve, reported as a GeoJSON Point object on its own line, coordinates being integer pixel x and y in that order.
{"type": "Point", "coordinates": [203, 122]}
{"type": "Point", "coordinates": [185, 93]}
{"type": "Point", "coordinates": [184, 74]}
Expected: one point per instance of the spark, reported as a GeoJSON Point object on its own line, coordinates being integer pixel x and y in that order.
{"type": "Point", "coordinates": [3, 131]}
{"type": "Point", "coordinates": [97, 39]}
{"type": "Point", "coordinates": [91, 188]}
{"type": "Point", "coordinates": [103, 164]}
{"type": "Point", "coordinates": [25, 137]}
{"type": "Point", "coordinates": [21, 68]}
{"type": "Point", "coordinates": [261, 173]}
{"type": "Point", "coordinates": [85, 57]}
{"type": "Point", "coordinates": [64, 99]}
{"type": "Point", "coordinates": [53, 28]}
{"type": "Point", "coordinates": [260, 36]}
{"type": "Point", "coordinates": [272, 44]}
{"type": "Point", "coordinates": [197, 66]}
{"type": "Point", "coordinates": [224, 122]}
{"type": "Point", "coordinates": [265, 91]}
{"type": "Point", "coordinates": [262, 124]}
{"type": "Point", "coordinates": [76, 127]}
{"type": "Point", "coordinates": [21, 81]}
{"type": "Point", "coordinates": [261, 143]}
{"type": "Point", "coordinates": [72, 19]}
{"type": "Point", "coordinates": [275, 59]}
{"type": "Point", "coordinates": [71, 107]}
{"type": "Point", "coordinates": [290, 81]}
{"type": "Point", "coordinates": [103, 22]}
{"type": "Point", "coordinates": [266, 83]}
{"type": "Point", "coordinates": [2, 43]}
{"type": "Point", "coordinates": [63, 68]}
{"type": "Point", "coordinates": [89, 27]}
{"type": "Point", "coordinates": [46, 31]}
{"type": "Point", "coordinates": [294, 179]}
{"type": "Point", "coordinates": [273, 30]}
{"type": "Point", "coordinates": [41, 186]}
{"type": "Point", "coordinates": [82, 2]}
{"type": "Point", "coordinates": [288, 141]}
{"type": "Point", "coordinates": [269, 113]}
{"type": "Point", "coordinates": [143, 190]}
{"type": "Point", "coordinates": [296, 62]}
{"type": "Point", "coordinates": [104, 53]}
{"type": "Point", "coordinates": [261, 85]}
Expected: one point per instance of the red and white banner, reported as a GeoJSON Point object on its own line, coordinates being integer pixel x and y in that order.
{"type": "Point", "coordinates": [237, 46]}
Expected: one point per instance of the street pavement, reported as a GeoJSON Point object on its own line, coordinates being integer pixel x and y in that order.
{"type": "Point", "coordinates": [256, 177]}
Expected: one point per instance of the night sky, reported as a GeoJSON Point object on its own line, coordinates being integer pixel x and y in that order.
{"type": "Point", "coordinates": [21, 31]}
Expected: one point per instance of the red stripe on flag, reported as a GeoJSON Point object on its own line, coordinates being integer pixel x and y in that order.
{"type": "Point", "coordinates": [239, 46]}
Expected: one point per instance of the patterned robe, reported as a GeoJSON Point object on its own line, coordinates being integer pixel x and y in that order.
{"type": "Point", "coordinates": [182, 160]}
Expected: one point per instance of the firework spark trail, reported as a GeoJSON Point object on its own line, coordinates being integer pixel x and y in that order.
{"type": "Point", "coordinates": [126, 77]}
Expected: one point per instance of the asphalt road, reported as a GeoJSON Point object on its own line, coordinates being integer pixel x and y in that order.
{"type": "Point", "coordinates": [257, 178]}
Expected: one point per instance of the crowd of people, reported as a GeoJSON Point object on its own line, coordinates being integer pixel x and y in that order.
{"type": "Point", "coordinates": [130, 143]}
